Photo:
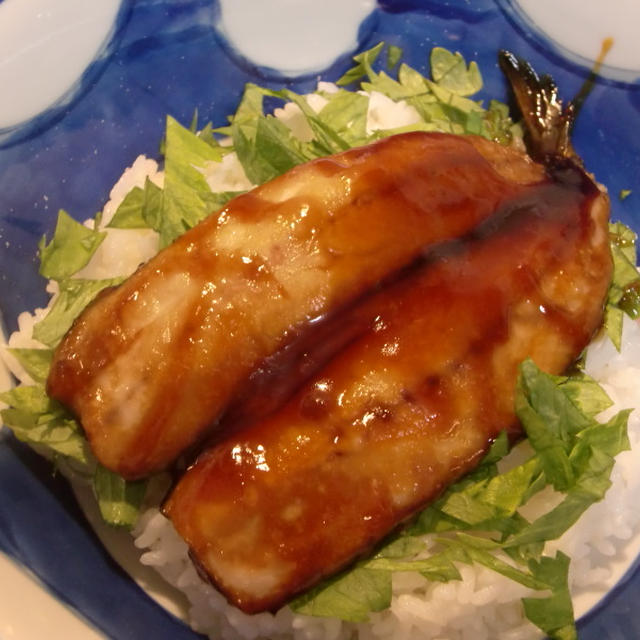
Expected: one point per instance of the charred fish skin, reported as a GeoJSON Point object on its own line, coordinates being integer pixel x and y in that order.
{"type": "Point", "coordinates": [547, 121]}
{"type": "Point", "coordinates": [407, 408]}
{"type": "Point", "coordinates": [150, 366]}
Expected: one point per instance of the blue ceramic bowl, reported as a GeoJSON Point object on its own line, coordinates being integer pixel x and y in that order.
{"type": "Point", "coordinates": [167, 57]}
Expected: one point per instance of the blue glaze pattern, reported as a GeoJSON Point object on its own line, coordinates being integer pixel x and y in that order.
{"type": "Point", "coordinates": [167, 58]}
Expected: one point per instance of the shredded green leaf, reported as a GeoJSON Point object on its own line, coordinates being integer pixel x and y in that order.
{"type": "Point", "coordinates": [75, 294]}
{"type": "Point", "coordinates": [346, 114]}
{"type": "Point", "coordinates": [38, 420]}
{"type": "Point", "coordinates": [394, 55]}
{"type": "Point", "coordinates": [624, 291]}
{"type": "Point", "coordinates": [450, 71]}
{"type": "Point", "coordinates": [553, 614]}
{"type": "Point", "coordinates": [186, 197]}
{"type": "Point", "coordinates": [350, 596]}
{"type": "Point", "coordinates": [326, 139]}
{"type": "Point", "coordinates": [70, 249]}
{"type": "Point", "coordinates": [119, 500]}
{"type": "Point", "coordinates": [265, 146]}
{"type": "Point", "coordinates": [140, 208]}
{"type": "Point", "coordinates": [36, 362]}
{"type": "Point", "coordinates": [364, 62]}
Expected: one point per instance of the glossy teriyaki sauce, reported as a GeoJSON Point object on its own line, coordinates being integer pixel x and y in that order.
{"type": "Point", "coordinates": [408, 405]}
{"type": "Point", "coordinates": [150, 366]}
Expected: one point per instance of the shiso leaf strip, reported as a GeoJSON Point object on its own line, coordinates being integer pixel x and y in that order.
{"type": "Point", "coordinates": [363, 67]}
{"type": "Point", "coordinates": [350, 596]}
{"type": "Point", "coordinates": [186, 197]}
{"type": "Point", "coordinates": [624, 292]}
{"type": "Point", "coordinates": [70, 249]}
{"type": "Point", "coordinates": [265, 146]}
{"type": "Point", "coordinates": [394, 55]}
{"type": "Point", "coordinates": [140, 208]}
{"type": "Point", "coordinates": [38, 420]}
{"type": "Point", "coordinates": [36, 362]}
{"type": "Point", "coordinates": [326, 138]}
{"type": "Point", "coordinates": [74, 295]}
{"type": "Point", "coordinates": [119, 500]}
{"type": "Point", "coordinates": [552, 614]}
{"type": "Point", "coordinates": [346, 113]}
{"type": "Point", "coordinates": [450, 71]}
{"type": "Point", "coordinates": [477, 519]}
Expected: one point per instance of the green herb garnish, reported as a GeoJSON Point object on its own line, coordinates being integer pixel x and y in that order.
{"type": "Point", "coordinates": [70, 249]}
{"type": "Point", "coordinates": [624, 291]}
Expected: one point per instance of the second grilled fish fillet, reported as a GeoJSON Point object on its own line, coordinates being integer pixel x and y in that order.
{"type": "Point", "coordinates": [149, 366]}
{"type": "Point", "coordinates": [406, 408]}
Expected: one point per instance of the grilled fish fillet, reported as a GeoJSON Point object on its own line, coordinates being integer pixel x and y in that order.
{"type": "Point", "coordinates": [151, 365]}
{"type": "Point", "coordinates": [409, 406]}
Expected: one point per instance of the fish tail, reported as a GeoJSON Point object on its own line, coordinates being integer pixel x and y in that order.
{"type": "Point", "coordinates": [547, 122]}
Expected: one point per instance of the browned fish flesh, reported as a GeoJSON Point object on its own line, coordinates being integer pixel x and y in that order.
{"type": "Point", "coordinates": [150, 366]}
{"type": "Point", "coordinates": [415, 399]}
{"type": "Point", "coordinates": [408, 407]}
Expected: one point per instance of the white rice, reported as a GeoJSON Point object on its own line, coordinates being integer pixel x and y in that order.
{"type": "Point", "coordinates": [483, 605]}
